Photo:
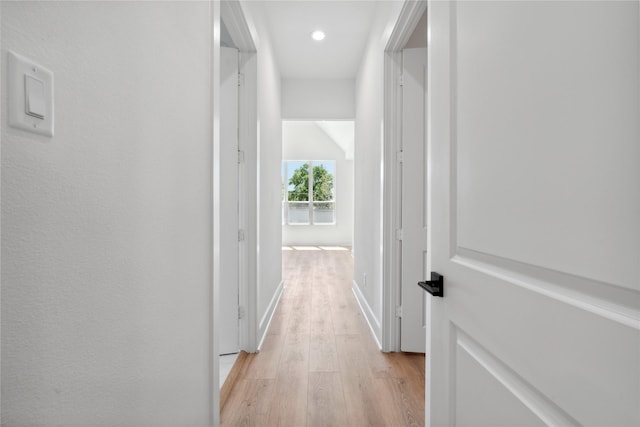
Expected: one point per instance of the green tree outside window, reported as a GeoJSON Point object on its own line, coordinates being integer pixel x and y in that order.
{"type": "Point", "coordinates": [322, 184]}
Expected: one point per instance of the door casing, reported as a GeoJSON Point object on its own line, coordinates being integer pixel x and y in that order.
{"type": "Point", "coordinates": [391, 266]}
{"type": "Point", "coordinates": [236, 23]}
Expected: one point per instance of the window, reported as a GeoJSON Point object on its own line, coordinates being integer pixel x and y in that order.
{"type": "Point", "coordinates": [301, 206]}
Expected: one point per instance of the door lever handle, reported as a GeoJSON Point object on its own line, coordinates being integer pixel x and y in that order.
{"type": "Point", "coordinates": [435, 286]}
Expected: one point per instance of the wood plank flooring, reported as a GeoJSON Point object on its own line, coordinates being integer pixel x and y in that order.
{"type": "Point", "coordinates": [319, 365]}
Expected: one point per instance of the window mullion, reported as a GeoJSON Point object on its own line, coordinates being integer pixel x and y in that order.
{"type": "Point", "coordinates": [311, 193]}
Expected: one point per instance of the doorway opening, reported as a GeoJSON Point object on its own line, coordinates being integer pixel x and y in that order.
{"type": "Point", "coordinates": [317, 183]}
{"type": "Point", "coordinates": [405, 199]}
{"type": "Point", "coordinates": [235, 307]}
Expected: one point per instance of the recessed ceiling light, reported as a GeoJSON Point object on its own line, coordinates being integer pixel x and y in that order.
{"type": "Point", "coordinates": [317, 35]}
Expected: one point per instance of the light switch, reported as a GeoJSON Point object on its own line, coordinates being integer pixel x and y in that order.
{"type": "Point", "coordinates": [30, 106]}
{"type": "Point", "coordinates": [34, 97]}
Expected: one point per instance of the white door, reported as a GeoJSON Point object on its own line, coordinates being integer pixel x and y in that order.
{"type": "Point", "coordinates": [414, 199]}
{"type": "Point", "coordinates": [534, 143]}
{"type": "Point", "coordinates": [229, 331]}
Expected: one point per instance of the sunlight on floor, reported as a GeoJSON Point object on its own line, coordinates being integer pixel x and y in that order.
{"type": "Point", "coordinates": [320, 364]}
{"type": "Point", "coordinates": [315, 248]}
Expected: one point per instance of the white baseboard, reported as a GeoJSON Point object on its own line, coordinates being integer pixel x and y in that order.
{"type": "Point", "coordinates": [265, 322]}
{"type": "Point", "coordinates": [372, 321]}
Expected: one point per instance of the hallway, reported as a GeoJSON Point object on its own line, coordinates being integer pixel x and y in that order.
{"type": "Point", "coordinates": [319, 364]}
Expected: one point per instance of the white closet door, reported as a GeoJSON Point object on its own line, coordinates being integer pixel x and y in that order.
{"type": "Point", "coordinates": [229, 330]}
{"type": "Point", "coordinates": [414, 199]}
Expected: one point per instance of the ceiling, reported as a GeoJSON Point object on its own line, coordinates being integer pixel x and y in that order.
{"type": "Point", "coordinates": [346, 23]}
{"type": "Point", "coordinates": [342, 132]}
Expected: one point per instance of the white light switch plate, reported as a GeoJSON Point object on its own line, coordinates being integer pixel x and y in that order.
{"type": "Point", "coordinates": [19, 67]}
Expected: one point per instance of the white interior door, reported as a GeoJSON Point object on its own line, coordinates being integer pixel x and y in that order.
{"type": "Point", "coordinates": [535, 147]}
{"type": "Point", "coordinates": [229, 332]}
{"type": "Point", "coordinates": [414, 199]}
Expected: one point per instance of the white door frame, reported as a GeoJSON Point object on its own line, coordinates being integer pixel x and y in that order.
{"type": "Point", "coordinates": [214, 358]}
{"type": "Point", "coordinates": [235, 21]}
{"type": "Point", "coordinates": [391, 268]}
{"type": "Point", "coordinates": [237, 26]}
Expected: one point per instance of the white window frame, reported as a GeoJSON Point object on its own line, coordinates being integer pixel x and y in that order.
{"type": "Point", "coordinates": [285, 199]}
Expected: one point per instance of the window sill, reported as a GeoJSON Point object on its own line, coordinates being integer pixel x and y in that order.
{"type": "Point", "coordinates": [311, 225]}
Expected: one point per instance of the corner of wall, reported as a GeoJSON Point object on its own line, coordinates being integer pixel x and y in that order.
{"type": "Point", "coordinates": [268, 249]}
{"type": "Point", "coordinates": [373, 322]}
{"type": "Point", "coordinates": [265, 322]}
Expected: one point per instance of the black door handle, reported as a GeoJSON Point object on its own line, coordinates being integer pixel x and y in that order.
{"type": "Point", "coordinates": [435, 286]}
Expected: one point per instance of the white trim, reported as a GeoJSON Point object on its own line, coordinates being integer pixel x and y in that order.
{"type": "Point", "coordinates": [608, 301]}
{"type": "Point", "coordinates": [236, 23]}
{"type": "Point", "coordinates": [365, 308]}
{"type": "Point", "coordinates": [1, 125]}
{"type": "Point", "coordinates": [391, 263]}
{"type": "Point", "coordinates": [265, 322]}
{"type": "Point", "coordinates": [248, 201]}
{"type": "Point", "coordinates": [310, 164]}
{"type": "Point", "coordinates": [410, 15]}
{"type": "Point", "coordinates": [235, 20]}
{"type": "Point", "coordinates": [539, 404]}
{"type": "Point", "coordinates": [318, 119]}
{"type": "Point", "coordinates": [214, 357]}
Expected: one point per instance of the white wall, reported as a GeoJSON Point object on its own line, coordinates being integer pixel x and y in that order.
{"type": "Point", "coordinates": [419, 36]}
{"type": "Point", "coordinates": [303, 140]}
{"type": "Point", "coordinates": [269, 156]}
{"type": "Point", "coordinates": [368, 167]}
{"type": "Point", "coordinates": [106, 232]}
{"type": "Point", "coordinates": [315, 99]}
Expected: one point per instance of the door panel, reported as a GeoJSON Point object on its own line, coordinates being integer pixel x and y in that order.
{"type": "Point", "coordinates": [540, 115]}
{"type": "Point", "coordinates": [229, 332]}
{"type": "Point", "coordinates": [414, 199]}
{"type": "Point", "coordinates": [534, 142]}
{"type": "Point", "coordinates": [479, 386]}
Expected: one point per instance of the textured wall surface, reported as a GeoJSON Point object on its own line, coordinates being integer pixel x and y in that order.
{"type": "Point", "coordinates": [368, 161]}
{"type": "Point", "coordinates": [106, 236]}
{"type": "Point", "coordinates": [269, 155]}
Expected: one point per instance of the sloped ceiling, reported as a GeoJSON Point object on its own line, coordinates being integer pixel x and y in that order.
{"type": "Point", "coordinates": [342, 133]}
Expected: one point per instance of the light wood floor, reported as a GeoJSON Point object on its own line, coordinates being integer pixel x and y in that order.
{"type": "Point", "coordinates": [319, 365]}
